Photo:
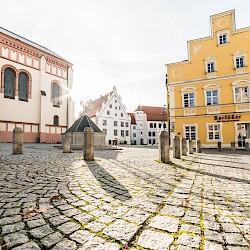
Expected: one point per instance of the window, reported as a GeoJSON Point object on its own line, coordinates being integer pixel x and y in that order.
{"type": "Point", "coordinates": [154, 125]}
{"type": "Point", "coordinates": [126, 124]}
{"type": "Point", "coordinates": [212, 97]}
{"type": "Point", "coordinates": [104, 122]}
{"type": "Point", "coordinates": [188, 100]}
{"type": "Point", "coordinates": [151, 125]}
{"type": "Point", "coordinates": [153, 133]}
{"type": "Point", "coordinates": [159, 125]}
{"type": "Point", "coordinates": [110, 105]}
{"type": "Point", "coordinates": [149, 141]}
{"type": "Point", "coordinates": [239, 62]}
{"type": "Point", "coordinates": [108, 112]}
{"type": "Point", "coordinates": [149, 133]}
{"type": "Point", "coordinates": [134, 134]}
{"type": "Point", "coordinates": [115, 107]}
{"type": "Point", "coordinates": [210, 67]}
{"type": "Point", "coordinates": [104, 131]}
{"type": "Point", "coordinates": [241, 94]}
{"type": "Point", "coordinates": [115, 114]}
{"type": "Point", "coordinates": [214, 132]}
{"type": "Point", "coordinates": [23, 87]}
{"type": "Point", "coordinates": [56, 120]}
{"type": "Point", "coordinates": [127, 133]}
{"type": "Point", "coordinates": [121, 114]}
{"type": "Point", "coordinates": [122, 132]}
{"type": "Point", "coordinates": [115, 101]}
{"type": "Point", "coordinates": [115, 123]}
{"type": "Point", "coordinates": [122, 124]}
{"type": "Point", "coordinates": [223, 38]}
{"type": "Point", "coordinates": [9, 83]}
{"type": "Point", "coordinates": [134, 127]}
{"type": "Point", "coordinates": [115, 132]}
{"type": "Point", "coordinates": [55, 94]}
{"type": "Point", "coordinates": [190, 132]}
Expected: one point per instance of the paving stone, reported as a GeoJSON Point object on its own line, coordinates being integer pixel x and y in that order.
{"type": "Point", "coordinates": [106, 219]}
{"type": "Point", "coordinates": [121, 230]}
{"type": "Point", "coordinates": [214, 236]}
{"type": "Point", "coordinates": [15, 239]}
{"type": "Point", "coordinates": [42, 231]}
{"type": "Point", "coordinates": [71, 212]}
{"type": "Point", "coordinates": [82, 236]}
{"type": "Point", "coordinates": [212, 246]}
{"type": "Point", "coordinates": [137, 215]}
{"type": "Point", "coordinates": [172, 210]}
{"type": "Point", "coordinates": [83, 218]}
{"type": "Point", "coordinates": [6, 229]}
{"type": "Point", "coordinates": [211, 225]}
{"type": "Point", "coordinates": [235, 239]}
{"type": "Point", "coordinates": [10, 220]}
{"type": "Point", "coordinates": [79, 203]}
{"type": "Point", "coordinates": [155, 240]}
{"type": "Point", "coordinates": [191, 228]}
{"type": "Point", "coordinates": [189, 240]}
{"type": "Point", "coordinates": [11, 211]}
{"type": "Point", "coordinates": [69, 227]}
{"type": "Point", "coordinates": [93, 244]}
{"type": "Point", "coordinates": [65, 244]}
{"type": "Point", "coordinates": [95, 226]}
{"type": "Point", "coordinates": [165, 223]}
{"type": "Point", "coordinates": [147, 206]}
{"type": "Point", "coordinates": [28, 246]}
{"type": "Point", "coordinates": [65, 207]}
{"type": "Point", "coordinates": [229, 228]}
{"type": "Point", "coordinates": [51, 239]}
{"type": "Point", "coordinates": [58, 220]}
{"type": "Point", "coordinates": [190, 219]}
{"type": "Point", "coordinates": [36, 223]}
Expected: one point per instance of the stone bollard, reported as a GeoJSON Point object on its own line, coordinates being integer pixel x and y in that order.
{"type": "Point", "coordinates": [88, 144]}
{"type": "Point", "coordinates": [177, 147]}
{"type": "Point", "coordinates": [233, 146]}
{"type": "Point", "coordinates": [198, 149]}
{"type": "Point", "coordinates": [17, 141]}
{"type": "Point", "coordinates": [163, 147]}
{"type": "Point", "coordinates": [190, 147]}
{"type": "Point", "coordinates": [247, 146]}
{"type": "Point", "coordinates": [184, 146]}
{"type": "Point", "coordinates": [219, 146]}
{"type": "Point", "coordinates": [67, 143]}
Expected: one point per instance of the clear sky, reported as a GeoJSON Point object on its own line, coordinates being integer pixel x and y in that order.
{"type": "Point", "coordinates": [122, 43]}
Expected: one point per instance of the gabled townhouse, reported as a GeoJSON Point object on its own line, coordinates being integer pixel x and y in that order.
{"type": "Point", "coordinates": [110, 115]}
{"type": "Point", "coordinates": [209, 94]}
{"type": "Point", "coordinates": [146, 124]}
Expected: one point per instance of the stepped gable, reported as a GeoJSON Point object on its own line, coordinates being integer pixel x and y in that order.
{"type": "Point", "coordinates": [81, 123]}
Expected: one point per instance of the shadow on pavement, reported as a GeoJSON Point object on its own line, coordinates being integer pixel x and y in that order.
{"type": "Point", "coordinates": [108, 182]}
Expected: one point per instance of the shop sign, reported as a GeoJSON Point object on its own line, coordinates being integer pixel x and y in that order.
{"type": "Point", "coordinates": [227, 118]}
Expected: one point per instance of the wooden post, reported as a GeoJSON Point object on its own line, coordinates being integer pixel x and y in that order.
{"type": "Point", "coordinates": [88, 144]}
{"type": "Point", "coordinates": [163, 147]}
{"type": "Point", "coordinates": [198, 149]}
{"type": "Point", "coordinates": [177, 147]}
{"type": "Point", "coordinates": [17, 141]}
{"type": "Point", "coordinates": [184, 146]}
{"type": "Point", "coordinates": [67, 143]}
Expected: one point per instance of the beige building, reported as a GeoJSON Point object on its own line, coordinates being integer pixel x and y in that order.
{"type": "Point", "coordinates": [35, 86]}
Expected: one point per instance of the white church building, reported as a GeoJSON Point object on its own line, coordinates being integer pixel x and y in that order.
{"type": "Point", "coordinates": [35, 86]}
{"type": "Point", "coordinates": [110, 115]}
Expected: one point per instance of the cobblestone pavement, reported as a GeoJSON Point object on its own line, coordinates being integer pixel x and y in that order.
{"type": "Point", "coordinates": [51, 200]}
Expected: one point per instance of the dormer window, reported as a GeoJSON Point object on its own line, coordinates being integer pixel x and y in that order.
{"type": "Point", "coordinates": [223, 37]}
{"type": "Point", "coordinates": [210, 66]}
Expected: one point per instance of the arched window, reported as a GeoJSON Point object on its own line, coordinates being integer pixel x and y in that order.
{"type": "Point", "coordinates": [55, 94]}
{"type": "Point", "coordinates": [23, 86]}
{"type": "Point", "coordinates": [9, 83]}
{"type": "Point", "coordinates": [56, 120]}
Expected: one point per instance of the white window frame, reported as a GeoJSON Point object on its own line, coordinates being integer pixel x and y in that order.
{"type": "Point", "coordinates": [211, 87]}
{"type": "Point", "coordinates": [241, 84]}
{"type": "Point", "coordinates": [210, 60]}
{"type": "Point", "coordinates": [221, 33]}
{"type": "Point", "coordinates": [190, 125]}
{"type": "Point", "coordinates": [104, 122]}
{"type": "Point", "coordinates": [240, 54]}
{"type": "Point", "coordinates": [188, 90]}
{"type": "Point", "coordinates": [220, 132]}
{"type": "Point", "coordinates": [212, 97]}
{"type": "Point", "coordinates": [189, 100]}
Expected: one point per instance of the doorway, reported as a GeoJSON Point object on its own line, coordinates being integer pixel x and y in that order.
{"type": "Point", "coordinates": [242, 133]}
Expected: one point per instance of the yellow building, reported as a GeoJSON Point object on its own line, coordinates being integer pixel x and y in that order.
{"type": "Point", "coordinates": [209, 94]}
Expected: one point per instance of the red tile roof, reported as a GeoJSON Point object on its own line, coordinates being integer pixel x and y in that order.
{"type": "Point", "coordinates": [153, 113]}
{"type": "Point", "coordinates": [132, 115]}
{"type": "Point", "coordinates": [96, 105]}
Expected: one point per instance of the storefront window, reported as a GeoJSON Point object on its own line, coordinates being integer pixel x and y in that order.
{"type": "Point", "coordinates": [190, 133]}
{"type": "Point", "coordinates": [214, 132]}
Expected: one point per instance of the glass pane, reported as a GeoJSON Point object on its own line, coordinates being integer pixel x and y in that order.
{"type": "Point", "coordinates": [9, 83]}
{"type": "Point", "coordinates": [23, 87]}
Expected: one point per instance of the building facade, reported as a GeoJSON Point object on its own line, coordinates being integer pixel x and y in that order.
{"type": "Point", "coordinates": [209, 94]}
{"type": "Point", "coordinates": [35, 87]}
{"type": "Point", "coordinates": [146, 124]}
{"type": "Point", "coordinates": [110, 115]}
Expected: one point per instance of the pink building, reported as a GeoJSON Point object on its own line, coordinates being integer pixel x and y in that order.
{"type": "Point", "coordinates": [35, 87]}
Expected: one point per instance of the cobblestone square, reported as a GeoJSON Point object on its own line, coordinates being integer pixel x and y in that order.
{"type": "Point", "coordinates": [126, 197]}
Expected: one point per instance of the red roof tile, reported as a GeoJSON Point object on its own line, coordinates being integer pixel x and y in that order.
{"type": "Point", "coordinates": [132, 115]}
{"type": "Point", "coordinates": [153, 113]}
